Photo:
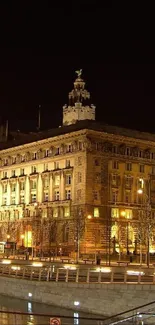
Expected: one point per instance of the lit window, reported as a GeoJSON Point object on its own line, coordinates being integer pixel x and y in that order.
{"type": "Point", "coordinates": [55, 212]}
{"type": "Point", "coordinates": [96, 212]}
{"type": "Point", "coordinates": [46, 182]}
{"type": "Point", "coordinates": [13, 173]}
{"type": "Point", "coordinates": [67, 212]}
{"type": "Point", "coordinates": [45, 167]}
{"type": "Point", "coordinates": [22, 171]}
{"type": "Point", "coordinates": [4, 174]}
{"type": "Point", "coordinates": [67, 163]}
{"type": "Point", "coordinates": [68, 179]}
{"type": "Point", "coordinates": [5, 188]}
{"type": "Point", "coordinates": [57, 151]}
{"type": "Point", "coordinates": [140, 183]}
{"type": "Point", "coordinates": [56, 195]}
{"type": "Point", "coordinates": [68, 194]}
{"type": "Point", "coordinates": [114, 213]}
{"type": "Point", "coordinates": [13, 187]}
{"type": "Point", "coordinates": [56, 165]}
{"type": "Point", "coordinates": [128, 213]}
{"type": "Point", "coordinates": [34, 155]}
{"type": "Point", "coordinates": [33, 169]}
{"type": "Point", "coordinates": [34, 185]}
{"type": "Point", "coordinates": [57, 180]}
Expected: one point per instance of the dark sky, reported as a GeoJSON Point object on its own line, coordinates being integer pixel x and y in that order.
{"type": "Point", "coordinates": [42, 46]}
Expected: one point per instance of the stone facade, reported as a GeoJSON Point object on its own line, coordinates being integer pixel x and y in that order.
{"type": "Point", "coordinates": [77, 183]}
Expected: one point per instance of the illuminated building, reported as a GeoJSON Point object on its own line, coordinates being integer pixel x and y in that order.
{"type": "Point", "coordinates": [81, 177]}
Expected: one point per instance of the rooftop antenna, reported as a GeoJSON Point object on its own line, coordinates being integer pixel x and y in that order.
{"type": "Point", "coordinates": [39, 118]}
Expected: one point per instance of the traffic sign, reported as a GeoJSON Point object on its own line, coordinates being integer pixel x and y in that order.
{"type": "Point", "coordinates": [55, 321]}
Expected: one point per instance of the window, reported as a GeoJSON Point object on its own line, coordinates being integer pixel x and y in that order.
{"type": "Point", "coordinates": [153, 170]}
{"type": "Point", "coordinates": [69, 148]}
{"type": "Point", "coordinates": [34, 155]}
{"type": "Point", "coordinates": [4, 174]}
{"type": "Point", "coordinates": [79, 194]}
{"type": "Point", "coordinates": [115, 164]}
{"type": "Point", "coordinates": [128, 166]}
{"type": "Point", "coordinates": [13, 187]}
{"type": "Point", "coordinates": [13, 200]}
{"type": "Point", "coordinates": [22, 158]}
{"type": "Point", "coordinates": [128, 213]}
{"type": "Point", "coordinates": [5, 162]}
{"type": "Point", "coordinates": [114, 213]}
{"type": "Point", "coordinates": [57, 151]}
{"type": "Point", "coordinates": [55, 212]}
{"type": "Point", "coordinates": [13, 160]}
{"type": "Point", "coordinates": [46, 152]}
{"type": "Point", "coordinates": [22, 199]}
{"type": "Point", "coordinates": [22, 186]}
{"type": "Point", "coordinates": [127, 196]}
{"type": "Point", "coordinates": [22, 171]}
{"type": "Point", "coordinates": [46, 196]}
{"type": "Point", "coordinates": [96, 212]}
{"type": "Point", "coordinates": [68, 179]}
{"type": "Point", "coordinates": [68, 194]}
{"type": "Point", "coordinates": [68, 163]}
{"type": "Point", "coordinates": [56, 165]}
{"type": "Point", "coordinates": [4, 201]}
{"type": "Point", "coordinates": [114, 196]}
{"type": "Point", "coordinates": [56, 195]}
{"type": "Point", "coordinates": [80, 145]}
{"type": "Point", "coordinates": [127, 151]}
{"type": "Point", "coordinates": [79, 178]}
{"type": "Point", "coordinates": [95, 195]}
{"type": "Point", "coordinates": [128, 181]}
{"type": "Point", "coordinates": [5, 188]}
{"type": "Point", "coordinates": [34, 185]}
{"type": "Point", "coordinates": [45, 167]}
{"type": "Point", "coordinates": [66, 212]}
{"type": "Point", "coordinates": [140, 183]}
{"type": "Point", "coordinates": [114, 180]}
{"type": "Point", "coordinates": [13, 173]}
{"type": "Point", "coordinates": [79, 161]}
{"type": "Point", "coordinates": [57, 180]}
{"type": "Point", "coordinates": [33, 197]}
{"type": "Point", "coordinates": [141, 168]}
{"type": "Point", "coordinates": [33, 169]}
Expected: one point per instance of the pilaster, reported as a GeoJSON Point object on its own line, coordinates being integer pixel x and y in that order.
{"type": "Point", "coordinates": [27, 190]}
{"type": "Point", "coordinates": [17, 192]}
{"type": "Point", "coordinates": [40, 189]}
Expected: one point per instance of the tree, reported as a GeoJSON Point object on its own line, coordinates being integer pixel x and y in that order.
{"type": "Point", "coordinates": [145, 229]}
{"type": "Point", "coordinates": [79, 227]}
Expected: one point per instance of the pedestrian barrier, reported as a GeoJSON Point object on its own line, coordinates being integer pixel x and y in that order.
{"type": "Point", "coordinates": [75, 274]}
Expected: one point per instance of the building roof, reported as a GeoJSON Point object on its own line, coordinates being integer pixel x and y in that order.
{"type": "Point", "coordinates": [18, 138]}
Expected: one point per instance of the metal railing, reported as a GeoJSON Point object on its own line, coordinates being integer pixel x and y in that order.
{"type": "Point", "coordinates": [75, 274]}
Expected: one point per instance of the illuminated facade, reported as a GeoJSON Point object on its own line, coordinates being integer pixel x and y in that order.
{"type": "Point", "coordinates": [79, 182]}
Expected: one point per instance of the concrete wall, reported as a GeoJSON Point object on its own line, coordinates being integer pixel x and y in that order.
{"type": "Point", "coordinates": [102, 299]}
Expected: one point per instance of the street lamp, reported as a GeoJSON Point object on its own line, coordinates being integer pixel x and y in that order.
{"type": "Point", "coordinates": [8, 237]}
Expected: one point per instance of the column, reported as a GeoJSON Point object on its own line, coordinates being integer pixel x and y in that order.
{"type": "Point", "coordinates": [73, 187]}
{"type": "Point", "coordinates": [8, 193]}
{"type": "Point", "coordinates": [62, 186]}
{"type": "Point", "coordinates": [17, 192]}
{"type": "Point", "coordinates": [51, 188]}
{"type": "Point", "coordinates": [1, 195]}
{"type": "Point", "coordinates": [40, 189]}
{"type": "Point", "coordinates": [27, 191]}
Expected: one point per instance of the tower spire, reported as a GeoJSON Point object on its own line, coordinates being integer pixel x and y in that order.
{"type": "Point", "coordinates": [79, 107]}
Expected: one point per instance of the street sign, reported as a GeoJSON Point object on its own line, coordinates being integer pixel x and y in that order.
{"type": "Point", "coordinates": [55, 321]}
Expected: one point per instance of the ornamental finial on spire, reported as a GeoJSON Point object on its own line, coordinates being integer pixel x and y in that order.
{"type": "Point", "coordinates": [79, 73]}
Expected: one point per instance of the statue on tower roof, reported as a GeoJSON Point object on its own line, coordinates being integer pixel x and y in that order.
{"type": "Point", "coordinates": [79, 73]}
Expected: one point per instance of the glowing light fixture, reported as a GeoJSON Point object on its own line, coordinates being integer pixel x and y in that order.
{"type": "Point", "coordinates": [37, 264]}
{"type": "Point", "coordinates": [6, 261]}
{"type": "Point", "coordinates": [135, 272]}
{"type": "Point", "coordinates": [103, 269]}
{"type": "Point", "coordinates": [123, 213]}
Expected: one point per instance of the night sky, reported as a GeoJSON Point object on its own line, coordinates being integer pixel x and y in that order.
{"type": "Point", "coordinates": [42, 46]}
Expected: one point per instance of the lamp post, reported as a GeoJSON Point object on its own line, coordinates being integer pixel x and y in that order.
{"type": "Point", "coordinates": [8, 237]}
{"type": "Point", "coordinates": [147, 224]}
{"type": "Point", "coordinates": [94, 218]}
